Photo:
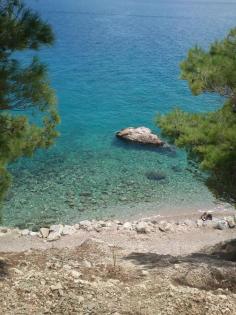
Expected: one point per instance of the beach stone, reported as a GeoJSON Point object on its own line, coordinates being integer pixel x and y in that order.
{"type": "Point", "coordinates": [142, 227]}
{"type": "Point", "coordinates": [80, 299]}
{"type": "Point", "coordinates": [222, 225]}
{"type": "Point", "coordinates": [53, 236]}
{"type": "Point", "coordinates": [145, 272]}
{"type": "Point", "coordinates": [189, 222]}
{"type": "Point", "coordinates": [199, 223]}
{"type": "Point", "coordinates": [67, 267]}
{"type": "Point", "coordinates": [231, 222]}
{"type": "Point", "coordinates": [68, 230]}
{"type": "Point", "coordinates": [32, 233]}
{"type": "Point", "coordinates": [127, 226]}
{"type": "Point", "coordinates": [56, 228]}
{"type": "Point", "coordinates": [44, 232]}
{"type": "Point", "coordinates": [97, 227]}
{"type": "Point", "coordinates": [25, 232]}
{"type": "Point", "coordinates": [102, 223]}
{"type": "Point", "coordinates": [117, 222]}
{"type": "Point", "coordinates": [75, 274]}
{"type": "Point", "coordinates": [3, 230]}
{"type": "Point", "coordinates": [86, 225]}
{"type": "Point", "coordinates": [87, 264]}
{"type": "Point", "coordinates": [77, 226]}
{"type": "Point", "coordinates": [211, 223]}
{"type": "Point", "coordinates": [166, 226]}
{"type": "Point", "coordinates": [56, 287]}
{"type": "Point", "coordinates": [141, 135]}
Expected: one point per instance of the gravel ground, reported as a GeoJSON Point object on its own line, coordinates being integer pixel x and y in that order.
{"type": "Point", "coordinates": [191, 271]}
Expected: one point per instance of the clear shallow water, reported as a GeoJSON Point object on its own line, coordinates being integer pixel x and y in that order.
{"type": "Point", "coordinates": [115, 64]}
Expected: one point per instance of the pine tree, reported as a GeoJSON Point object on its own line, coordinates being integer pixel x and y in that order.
{"type": "Point", "coordinates": [210, 137]}
{"type": "Point", "coordinates": [24, 89]}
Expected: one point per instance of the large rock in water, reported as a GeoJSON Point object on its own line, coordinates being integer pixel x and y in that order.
{"type": "Point", "coordinates": [140, 135]}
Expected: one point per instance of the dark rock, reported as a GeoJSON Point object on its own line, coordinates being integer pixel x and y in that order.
{"type": "Point", "coordinates": [206, 216]}
{"type": "Point", "coordinates": [155, 175]}
{"type": "Point", "coordinates": [176, 168]}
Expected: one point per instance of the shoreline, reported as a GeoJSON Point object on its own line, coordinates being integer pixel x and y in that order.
{"type": "Point", "coordinates": [129, 212]}
{"type": "Point", "coordinates": [59, 235]}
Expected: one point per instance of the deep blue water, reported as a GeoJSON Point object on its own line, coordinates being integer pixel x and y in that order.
{"type": "Point", "coordinates": [116, 64]}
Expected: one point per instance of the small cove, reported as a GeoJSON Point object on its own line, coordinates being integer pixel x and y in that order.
{"type": "Point", "coordinates": [114, 65]}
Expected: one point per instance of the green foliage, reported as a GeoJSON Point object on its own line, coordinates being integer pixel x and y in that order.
{"type": "Point", "coordinates": [23, 88]}
{"type": "Point", "coordinates": [210, 138]}
{"type": "Point", "coordinates": [213, 70]}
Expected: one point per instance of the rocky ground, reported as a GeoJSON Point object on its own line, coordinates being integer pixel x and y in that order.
{"type": "Point", "coordinates": [152, 266]}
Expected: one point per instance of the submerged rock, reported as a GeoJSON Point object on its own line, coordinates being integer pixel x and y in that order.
{"type": "Point", "coordinates": [141, 135]}
{"type": "Point", "coordinates": [176, 168]}
{"type": "Point", "coordinates": [155, 175]}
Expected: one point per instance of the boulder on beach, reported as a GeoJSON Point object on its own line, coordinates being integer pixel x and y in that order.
{"type": "Point", "coordinates": [140, 135]}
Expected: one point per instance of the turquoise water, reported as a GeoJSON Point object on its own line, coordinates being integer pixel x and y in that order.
{"type": "Point", "coordinates": [115, 64]}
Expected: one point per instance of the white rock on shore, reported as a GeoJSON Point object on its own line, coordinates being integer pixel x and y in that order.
{"type": "Point", "coordinates": [68, 230]}
{"type": "Point", "coordinates": [166, 226]}
{"type": "Point", "coordinates": [44, 232]}
{"type": "Point", "coordinates": [144, 226]}
{"type": "Point", "coordinates": [86, 225]}
{"type": "Point", "coordinates": [55, 232]}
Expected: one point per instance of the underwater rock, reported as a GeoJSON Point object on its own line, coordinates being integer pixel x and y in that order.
{"type": "Point", "coordinates": [155, 175]}
{"type": "Point", "coordinates": [141, 135]}
{"type": "Point", "coordinates": [176, 168]}
{"type": "Point", "coordinates": [85, 194]}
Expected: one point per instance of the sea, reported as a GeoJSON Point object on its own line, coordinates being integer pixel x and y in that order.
{"type": "Point", "coordinates": [115, 64]}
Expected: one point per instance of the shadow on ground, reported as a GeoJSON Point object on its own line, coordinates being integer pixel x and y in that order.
{"type": "Point", "coordinates": [3, 269]}
{"type": "Point", "coordinates": [210, 269]}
